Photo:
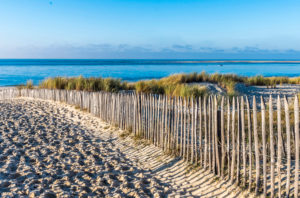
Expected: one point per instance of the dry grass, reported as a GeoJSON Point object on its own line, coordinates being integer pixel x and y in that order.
{"type": "Point", "coordinates": [28, 85]}
{"type": "Point", "coordinates": [173, 85]}
{"type": "Point", "coordinates": [85, 84]}
{"type": "Point", "coordinates": [124, 134]}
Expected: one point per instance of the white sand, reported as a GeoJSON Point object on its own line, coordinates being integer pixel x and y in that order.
{"type": "Point", "coordinates": [50, 149]}
{"type": "Point", "coordinates": [287, 90]}
{"type": "Point", "coordinates": [213, 88]}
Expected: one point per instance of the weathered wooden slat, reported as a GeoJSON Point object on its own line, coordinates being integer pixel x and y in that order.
{"type": "Point", "coordinates": [263, 131]}
{"type": "Point", "coordinates": [209, 134]}
{"type": "Point", "coordinates": [200, 133]}
{"type": "Point", "coordinates": [288, 139]}
{"type": "Point", "coordinates": [228, 137]}
{"type": "Point", "coordinates": [217, 137]}
{"type": "Point", "coordinates": [213, 152]}
{"type": "Point", "coordinates": [205, 132]}
{"type": "Point", "coordinates": [192, 131]}
{"type": "Point", "coordinates": [184, 128]}
{"type": "Point", "coordinates": [233, 141]}
{"type": "Point", "coordinates": [196, 137]}
{"type": "Point", "coordinates": [188, 130]}
{"type": "Point", "coordinates": [238, 142]}
{"type": "Point", "coordinates": [256, 146]}
{"type": "Point", "coordinates": [279, 145]}
{"type": "Point", "coordinates": [297, 146]}
{"type": "Point", "coordinates": [169, 124]}
{"type": "Point", "coordinates": [272, 147]}
{"type": "Point", "coordinates": [223, 147]}
{"type": "Point", "coordinates": [243, 140]}
{"type": "Point", "coordinates": [181, 127]}
{"type": "Point", "coordinates": [177, 123]}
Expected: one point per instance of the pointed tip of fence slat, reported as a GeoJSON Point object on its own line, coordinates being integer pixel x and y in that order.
{"type": "Point", "coordinates": [286, 105]}
{"type": "Point", "coordinates": [254, 102]}
{"type": "Point", "coordinates": [262, 103]}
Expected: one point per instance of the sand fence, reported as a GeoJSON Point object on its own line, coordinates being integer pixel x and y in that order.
{"type": "Point", "coordinates": [255, 148]}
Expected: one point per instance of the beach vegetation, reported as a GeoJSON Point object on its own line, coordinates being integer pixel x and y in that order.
{"type": "Point", "coordinates": [85, 84]}
{"type": "Point", "coordinates": [184, 85]}
{"type": "Point", "coordinates": [28, 85]}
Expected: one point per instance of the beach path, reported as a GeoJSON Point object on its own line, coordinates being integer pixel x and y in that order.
{"type": "Point", "coordinates": [53, 150]}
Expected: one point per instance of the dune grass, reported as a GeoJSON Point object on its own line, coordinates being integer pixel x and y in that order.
{"type": "Point", "coordinates": [85, 84]}
{"type": "Point", "coordinates": [173, 85]}
{"type": "Point", "coordinates": [28, 85]}
{"type": "Point", "coordinates": [178, 84]}
{"type": "Point", "coordinates": [271, 81]}
{"type": "Point", "coordinates": [172, 89]}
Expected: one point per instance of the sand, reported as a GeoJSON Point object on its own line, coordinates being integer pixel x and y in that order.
{"type": "Point", "coordinates": [50, 149]}
{"type": "Point", "coordinates": [288, 90]}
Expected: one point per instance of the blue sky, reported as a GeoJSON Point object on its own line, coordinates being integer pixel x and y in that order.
{"type": "Point", "coordinates": [150, 29]}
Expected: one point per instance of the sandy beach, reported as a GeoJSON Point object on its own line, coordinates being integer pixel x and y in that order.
{"type": "Point", "coordinates": [51, 149]}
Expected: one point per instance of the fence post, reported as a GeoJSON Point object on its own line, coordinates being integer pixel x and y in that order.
{"type": "Point", "coordinates": [228, 137]}
{"type": "Point", "coordinates": [233, 141]}
{"type": "Point", "coordinates": [177, 123]}
{"type": "Point", "coordinates": [184, 130]}
{"type": "Point", "coordinates": [288, 137]}
{"type": "Point", "coordinates": [222, 138]}
{"type": "Point", "coordinates": [158, 129]}
{"type": "Point", "coordinates": [243, 139]}
{"type": "Point", "coordinates": [279, 145]}
{"type": "Point", "coordinates": [272, 146]}
{"type": "Point", "coordinates": [238, 141]}
{"type": "Point", "coordinates": [217, 127]}
{"type": "Point", "coordinates": [209, 134]}
{"type": "Point", "coordinates": [213, 135]}
{"type": "Point", "coordinates": [256, 144]}
{"type": "Point", "coordinates": [249, 142]}
{"type": "Point", "coordinates": [297, 146]}
{"type": "Point", "coordinates": [188, 129]}
{"type": "Point", "coordinates": [263, 129]}
{"type": "Point", "coordinates": [195, 131]}
{"type": "Point", "coordinates": [200, 133]}
{"type": "Point", "coordinates": [205, 132]}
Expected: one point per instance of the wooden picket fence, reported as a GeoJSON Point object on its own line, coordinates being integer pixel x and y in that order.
{"type": "Point", "coordinates": [255, 146]}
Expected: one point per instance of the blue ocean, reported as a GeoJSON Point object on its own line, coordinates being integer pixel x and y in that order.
{"type": "Point", "coordinates": [17, 71]}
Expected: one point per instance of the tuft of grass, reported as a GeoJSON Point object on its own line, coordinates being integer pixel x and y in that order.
{"type": "Point", "coordinates": [77, 107]}
{"type": "Point", "coordinates": [85, 84]}
{"type": "Point", "coordinates": [28, 85]}
{"type": "Point", "coordinates": [85, 110]}
{"type": "Point", "coordinates": [124, 134]}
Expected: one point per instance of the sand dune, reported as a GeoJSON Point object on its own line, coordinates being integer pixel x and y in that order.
{"type": "Point", "coordinates": [49, 149]}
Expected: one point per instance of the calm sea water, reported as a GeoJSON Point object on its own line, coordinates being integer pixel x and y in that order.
{"type": "Point", "coordinates": [13, 72]}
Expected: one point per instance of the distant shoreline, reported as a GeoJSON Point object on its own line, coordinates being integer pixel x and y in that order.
{"type": "Point", "coordinates": [139, 61]}
{"type": "Point", "coordinates": [227, 61]}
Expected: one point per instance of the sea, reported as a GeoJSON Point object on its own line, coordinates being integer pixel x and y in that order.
{"type": "Point", "coordinates": [18, 71]}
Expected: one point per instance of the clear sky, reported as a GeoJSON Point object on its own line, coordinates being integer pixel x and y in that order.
{"type": "Point", "coordinates": [149, 29]}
